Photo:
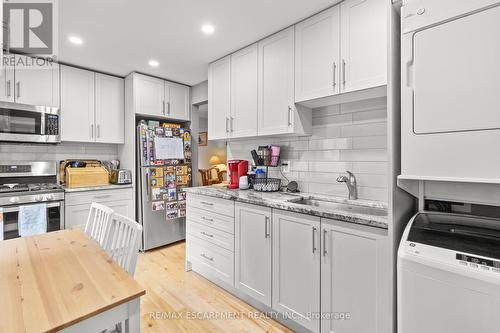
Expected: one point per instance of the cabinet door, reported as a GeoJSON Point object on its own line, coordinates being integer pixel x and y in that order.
{"type": "Point", "coordinates": [36, 84]}
{"type": "Point", "coordinates": [149, 96]}
{"type": "Point", "coordinates": [122, 207]}
{"type": "Point", "coordinates": [109, 108]}
{"type": "Point", "coordinates": [7, 79]}
{"type": "Point", "coordinates": [177, 101]}
{"type": "Point", "coordinates": [276, 83]}
{"type": "Point", "coordinates": [354, 279]}
{"type": "Point", "coordinates": [77, 105]}
{"type": "Point", "coordinates": [296, 266]}
{"type": "Point", "coordinates": [253, 251]}
{"type": "Point", "coordinates": [363, 44]}
{"type": "Point", "coordinates": [219, 98]}
{"type": "Point", "coordinates": [75, 217]}
{"type": "Point", "coordinates": [317, 53]}
{"type": "Point", "coordinates": [243, 121]}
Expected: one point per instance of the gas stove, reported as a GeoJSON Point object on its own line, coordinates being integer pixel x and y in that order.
{"type": "Point", "coordinates": [29, 182]}
{"type": "Point", "coordinates": [24, 184]}
{"type": "Point", "coordinates": [9, 188]}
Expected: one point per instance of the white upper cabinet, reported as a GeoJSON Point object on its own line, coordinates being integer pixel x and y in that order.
{"type": "Point", "coordinates": [109, 108]}
{"type": "Point", "coordinates": [7, 80]}
{"type": "Point", "coordinates": [149, 95]}
{"type": "Point", "coordinates": [219, 98]}
{"type": "Point", "coordinates": [363, 44]}
{"type": "Point", "coordinates": [177, 101]}
{"type": "Point", "coordinates": [36, 84]}
{"type": "Point", "coordinates": [253, 251]}
{"type": "Point", "coordinates": [77, 105]}
{"type": "Point", "coordinates": [160, 98]}
{"type": "Point", "coordinates": [317, 56]}
{"type": "Point", "coordinates": [276, 83]}
{"type": "Point", "coordinates": [243, 118]}
{"type": "Point", "coordinates": [92, 106]}
{"type": "Point", "coordinates": [296, 267]}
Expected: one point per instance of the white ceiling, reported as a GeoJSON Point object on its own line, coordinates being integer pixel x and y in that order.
{"type": "Point", "coordinates": [121, 36]}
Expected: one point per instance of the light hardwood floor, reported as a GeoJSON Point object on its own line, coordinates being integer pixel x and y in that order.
{"type": "Point", "coordinates": [170, 289]}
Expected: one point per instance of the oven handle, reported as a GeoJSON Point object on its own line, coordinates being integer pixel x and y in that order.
{"type": "Point", "coordinates": [16, 208]}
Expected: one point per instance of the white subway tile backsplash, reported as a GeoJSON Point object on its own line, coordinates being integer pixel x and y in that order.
{"type": "Point", "coordinates": [377, 168]}
{"type": "Point", "coordinates": [373, 193]}
{"type": "Point", "coordinates": [320, 155]}
{"type": "Point", "coordinates": [372, 142]}
{"type": "Point", "coordinates": [326, 131]}
{"type": "Point", "coordinates": [297, 165]}
{"type": "Point", "coordinates": [372, 180]}
{"type": "Point", "coordinates": [352, 136]}
{"type": "Point", "coordinates": [319, 177]}
{"type": "Point", "coordinates": [369, 129]}
{"type": "Point", "coordinates": [336, 167]}
{"type": "Point", "coordinates": [62, 151]}
{"type": "Point", "coordinates": [328, 144]}
{"type": "Point", "coordinates": [364, 155]}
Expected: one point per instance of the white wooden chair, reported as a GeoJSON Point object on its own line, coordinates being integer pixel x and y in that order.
{"type": "Point", "coordinates": [123, 242]}
{"type": "Point", "coordinates": [98, 222]}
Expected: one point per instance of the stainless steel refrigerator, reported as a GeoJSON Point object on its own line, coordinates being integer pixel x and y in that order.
{"type": "Point", "coordinates": [164, 170]}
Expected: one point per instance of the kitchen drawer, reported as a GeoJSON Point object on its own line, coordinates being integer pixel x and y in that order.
{"type": "Point", "coordinates": [212, 261]}
{"type": "Point", "coordinates": [216, 205]}
{"type": "Point", "coordinates": [211, 219]}
{"type": "Point", "coordinates": [212, 235]}
{"type": "Point", "coordinates": [100, 196]}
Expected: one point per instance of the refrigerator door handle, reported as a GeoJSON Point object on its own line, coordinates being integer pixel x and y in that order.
{"type": "Point", "coordinates": [147, 185]}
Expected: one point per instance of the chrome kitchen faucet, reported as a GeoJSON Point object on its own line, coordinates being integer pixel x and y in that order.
{"type": "Point", "coordinates": [351, 185]}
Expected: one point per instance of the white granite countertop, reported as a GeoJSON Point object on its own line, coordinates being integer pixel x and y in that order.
{"type": "Point", "coordinates": [371, 213]}
{"type": "Point", "coordinates": [96, 188]}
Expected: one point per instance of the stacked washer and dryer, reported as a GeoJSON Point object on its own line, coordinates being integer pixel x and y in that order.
{"type": "Point", "coordinates": [449, 264]}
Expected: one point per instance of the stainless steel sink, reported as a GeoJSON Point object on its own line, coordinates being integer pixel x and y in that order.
{"type": "Point", "coordinates": [341, 207]}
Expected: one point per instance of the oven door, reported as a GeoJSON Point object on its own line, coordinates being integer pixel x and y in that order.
{"type": "Point", "coordinates": [55, 219]}
{"type": "Point", "coordinates": [27, 123]}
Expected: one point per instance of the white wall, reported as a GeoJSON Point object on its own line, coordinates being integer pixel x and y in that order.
{"type": "Point", "coordinates": [352, 136]}
{"type": "Point", "coordinates": [213, 148]}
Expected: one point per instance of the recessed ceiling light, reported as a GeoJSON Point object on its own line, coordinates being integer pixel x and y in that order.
{"type": "Point", "coordinates": [208, 29]}
{"type": "Point", "coordinates": [153, 63]}
{"type": "Point", "coordinates": [75, 40]}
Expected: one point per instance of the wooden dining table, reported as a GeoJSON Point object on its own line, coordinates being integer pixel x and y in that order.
{"type": "Point", "coordinates": [64, 281]}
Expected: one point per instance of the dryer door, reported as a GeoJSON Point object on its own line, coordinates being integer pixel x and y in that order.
{"type": "Point", "coordinates": [456, 75]}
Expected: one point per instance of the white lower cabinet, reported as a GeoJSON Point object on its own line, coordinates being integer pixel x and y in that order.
{"type": "Point", "coordinates": [210, 238]}
{"type": "Point", "coordinates": [296, 267]}
{"type": "Point", "coordinates": [326, 275]}
{"type": "Point", "coordinates": [253, 251]}
{"type": "Point", "coordinates": [354, 278]}
{"type": "Point", "coordinates": [77, 205]}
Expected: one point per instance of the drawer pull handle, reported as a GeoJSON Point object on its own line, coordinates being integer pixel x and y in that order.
{"type": "Point", "coordinates": [204, 233]}
{"type": "Point", "coordinates": [206, 257]}
{"type": "Point", "coordinates": [207, 219]}
{"type": "Point", "coordinates": [207, 203]}
{"type": "Point", "coordinates": [102, 196]}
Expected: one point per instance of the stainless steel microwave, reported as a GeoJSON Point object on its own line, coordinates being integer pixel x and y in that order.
{"type": "Point", "coordinates": [29, 123]}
